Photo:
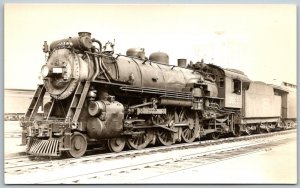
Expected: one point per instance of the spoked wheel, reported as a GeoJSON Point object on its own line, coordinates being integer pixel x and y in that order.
{"type": "Point", "coordinates": [289, 124]}
{"type": "Point", "coordinates": [116, 144]}
{"type": "Point", "coordinates": [190, 132]}
{"type": "Point", "coordinates": [163, 136]}
{"type": "Point", "coordinates": [268, 129]}
{"type": "Point", "coordinates": [248, 130]}
{"type": "Point", "coordinates": [293, 125]}
{"type": "Point", "coordinates": [140, 141]}
{"type": "Point", "coordinates": [215, 135]}
{"type": "Point", "coordinates": [261, 130]}
{"type": "Point", "coordinates": [78, 145]}
{"type": "Point", "coordinates": [237, 131]}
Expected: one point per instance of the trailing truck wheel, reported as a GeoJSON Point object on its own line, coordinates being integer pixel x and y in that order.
{"type": "Point", "coordinates": [214, 135]}
{"type": "Point", "coordinates": [116, 144]}
{"type": "Point", "coordinates": [78, 145]}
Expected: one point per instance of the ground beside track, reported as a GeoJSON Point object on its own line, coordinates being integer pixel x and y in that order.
{"type": "Point", "coordinates": [273, 165]}
{"type": "Point", "coordinates": [12, 139]}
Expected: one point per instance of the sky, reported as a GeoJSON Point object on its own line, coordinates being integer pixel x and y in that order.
{"type": "Point", "coordinates": [260, 40]}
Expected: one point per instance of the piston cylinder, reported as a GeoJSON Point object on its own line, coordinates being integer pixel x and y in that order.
{"type": "Point", "coordinates": [107, 121]}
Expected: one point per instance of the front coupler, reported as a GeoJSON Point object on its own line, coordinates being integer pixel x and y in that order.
{"type": "Point", "coordinates": [46, 138]}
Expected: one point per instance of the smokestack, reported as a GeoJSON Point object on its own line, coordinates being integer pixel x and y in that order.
{"type": "Point", "coordinates": [83, 34]}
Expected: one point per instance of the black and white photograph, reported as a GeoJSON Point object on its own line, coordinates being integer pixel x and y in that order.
{"type": "Point", "coordinates": [150, 94]}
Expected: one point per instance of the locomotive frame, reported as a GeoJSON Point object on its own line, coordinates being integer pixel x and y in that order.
{"type": "Point", "coordinates": [103, 98]}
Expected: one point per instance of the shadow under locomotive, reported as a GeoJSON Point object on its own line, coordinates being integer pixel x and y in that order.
{"type": "Point", "coordinates": [100, 97]}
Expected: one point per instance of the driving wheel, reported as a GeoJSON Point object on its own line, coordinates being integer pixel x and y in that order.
{"type": "Point", "coordinates": [140, 141]}
{"type": "Point", "coordinates": [163, 136]}
{"type": "Point", "coordinates": [190, 132]}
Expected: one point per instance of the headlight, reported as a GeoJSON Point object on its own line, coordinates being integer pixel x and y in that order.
{"type": "Point", "coordinates": [44, 71]}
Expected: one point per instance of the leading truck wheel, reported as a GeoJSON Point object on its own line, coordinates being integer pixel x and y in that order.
{"type": "Point", "coordinates": [214, 135]}
{"type": "Point", "coordinates": [78, 145]}
{"type": "Point", "coordinates": [116, 144]}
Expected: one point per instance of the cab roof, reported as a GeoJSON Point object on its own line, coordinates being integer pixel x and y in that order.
{"type": "Point", "coordinates": [232, 73]}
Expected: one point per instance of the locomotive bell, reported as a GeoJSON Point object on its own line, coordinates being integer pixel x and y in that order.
{"type": "Point", "coordinates": [109, 47]}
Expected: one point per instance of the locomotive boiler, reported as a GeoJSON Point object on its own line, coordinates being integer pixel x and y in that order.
{"type": "Point", "coordinates": [115, 100]}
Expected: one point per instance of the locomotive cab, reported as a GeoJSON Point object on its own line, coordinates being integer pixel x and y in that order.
{"type": "Point", "coordinates": [230, 83]}
{"type": "Point", "coordinates": [235, 82]}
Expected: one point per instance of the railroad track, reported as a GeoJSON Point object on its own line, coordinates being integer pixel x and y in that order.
{"type": "Point", "coordinates": [14, 134]}
{"type": "Point", "coordinates": [23, 161]}
{"type": "Point", "coordinates": [148, 170]}
{"type": "Point", "coordinates": [16, 167]}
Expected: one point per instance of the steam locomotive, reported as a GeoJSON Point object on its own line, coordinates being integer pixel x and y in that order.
{"type": "Point", "coordinates": [98, 97]}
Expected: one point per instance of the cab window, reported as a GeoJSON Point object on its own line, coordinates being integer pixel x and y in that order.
{"type": "Point", "coordinates": [221, 82]}
{"type": "Point", "coordinates": [237, 85]}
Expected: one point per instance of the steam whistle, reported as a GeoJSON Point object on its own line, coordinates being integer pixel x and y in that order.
{"type": "Point", "coordinates": [45, 47]}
